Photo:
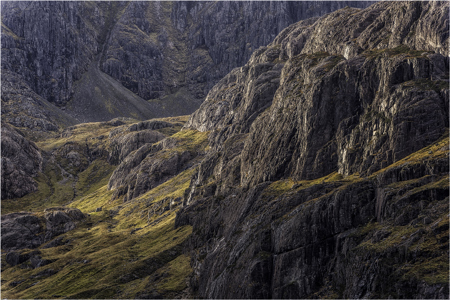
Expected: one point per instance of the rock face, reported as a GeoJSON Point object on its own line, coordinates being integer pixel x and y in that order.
{"type": "Point", "coordinates": [177, 51]}
{"type": "Point", "coordinates": [137, 135]}
{"type": "Point", "coordinates": [50, 44]}
{"type": "Point", "coordinates": [169, 52]}
{"type": "Point", "coordinates": [328, 112]}
{"type": "Point", "coordinates": [21, 161]}
{"type": "Point", "coordinates": [154, 163]}
{"type": "Point", "coordinates": [23, 108]}
{"type": "Point", "coordinates": [26, 230]}
{"type": "Point", "coordinates": [327, 174]}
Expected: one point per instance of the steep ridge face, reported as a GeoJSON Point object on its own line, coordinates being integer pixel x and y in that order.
{"type": "Point", "coordinates": [167, 53]}
{"type": "Point", "coordinates": [54, 48]}
{"type": "Point", "coordinates": [329, 110]}
{"type": "Point", "coordinates": [175, 52]}
{"type": "Point", "coordinates": [327, 174]}
{"type": "Point", "coordinates": [316, 170]}
{"type": "Point", "coordinates": [50, 44]}
{"type": "Point", "coordinates": [21, 161]}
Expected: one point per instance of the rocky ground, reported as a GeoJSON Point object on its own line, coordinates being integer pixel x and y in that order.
{"type": "Point", "coordinates": [328, 170]}
{"type": "Point", "coordinates": [71, 224]}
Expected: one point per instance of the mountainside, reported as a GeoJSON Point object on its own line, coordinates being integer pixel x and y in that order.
{"type": "Point", "coordinates": [162, 57]}
{"type": "Point", "coordinates": [311, 188]}
{"type": "Point", "coordinates": [319, 169]}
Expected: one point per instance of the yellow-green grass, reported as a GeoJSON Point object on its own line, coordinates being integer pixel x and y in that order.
{"type": "Point", "coordinates": [391, 52]}
{"type": "Point", "coordinates": [82, 134]}
{"type": "Point", "coordinates": [191, 140]}
{"type": "Point", "coordinates": [112, 250]}
{"type": "Point", "coordinates": [431, 270]}
{"type": "Point", "coordinates": [138, 209]}
{"type": "Point", "coordinates": [436, 150]}
{"type": "Point", "coordinates": [178, 271]}
{"type": "Point", "coordinates": [88, 133]}
{"type": "Point", "coordinates": [94, 177]}
{"type": "Point", "coordinates": [97, 260]}
{"type": "Point", "coordinates": [56, 190]}
{"type": "Point", "coordinates": [53, 190]}
{"type": "Point", "coordinates": [431, 265]}
{"type": "Point", "coordinates": [282, 186]}
{"type": "Point", "coordinates": [99, 198]}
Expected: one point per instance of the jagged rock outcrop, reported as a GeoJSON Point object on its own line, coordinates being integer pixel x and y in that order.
{"type": "Point", "coordinates": [60, 220]}
{"type": "Point", "coordinates": [177, 51]}
{"type": "Point", "coordinates": [21, 161]}
{"type": "Point", "coordinates": [308, 189]}
{"type": "Point", "coordinates": [150, 166]}
{"type": "Point", "coordinates": [50, 44]}
{"type": "Point", "coordinates": [327, 112]}
{"type": "Point", "coordinates": [26, 230]}
{"type": "Point", "coordinates": [134, 137]}
{"type": "Point", "coordinates": [160, 51]}
{"type": "Point", "coordinates": [23, 108]}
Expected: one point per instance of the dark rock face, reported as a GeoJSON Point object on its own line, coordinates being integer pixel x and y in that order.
{"type": "Point", "coordinates": [22, 107]}
{"type": "Point", "coordinates": [125, 144]}
{"type": "Point", "coordinates": [181, 49]}
{"type": "Point", "coordinates": [21, 161]}
{"type": "Point", "coordinates": [61, 220]}
{"type": "Point", "coordinates": [25, 230]}
{"type": "Point", "coordinates": [148, 167]}
{"type": "Point", "coordinates": [169, 52]}
{"type": "Point", "coordinates": [309, 196]}
{"type": "Point", "coordinates": [123, 140]}
{"type": "Point", "coordinates": [50, 44]}
{"type": "Point", "coordinates": [328, 112]}
{"type": "Point", "coordinates": [147, 158]}
{"type": "Point", "coordinates": [21, 230]}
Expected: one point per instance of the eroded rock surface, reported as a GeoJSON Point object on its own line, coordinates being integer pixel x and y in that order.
{"type": "Point", "coordinates": [327, 174]}
{"type": "Point", "coordinates": [21, 161]}
{"type": "Point", "coordinates": [86, 57]}
{"type": "Point", "coordinates": [27, 230]}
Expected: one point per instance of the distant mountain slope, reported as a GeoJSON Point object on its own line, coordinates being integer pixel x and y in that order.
{"type": "Point", "coordinates": [171, 53]}
{"type": "Point", "coordinates": [99, 97]}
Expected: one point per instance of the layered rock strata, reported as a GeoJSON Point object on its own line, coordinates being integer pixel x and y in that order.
{"type": "Point", "coordinates": [328, 169]}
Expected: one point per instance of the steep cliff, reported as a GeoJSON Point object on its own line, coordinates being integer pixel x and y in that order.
{"type": "Point", "coordinates": [175, 52]}
{"type": "Point", "coordinates": [21, 161]}
{"type": "Point", "coordinates": [328, 169]}
{"type": "Point", "coordinates": [167, 53]}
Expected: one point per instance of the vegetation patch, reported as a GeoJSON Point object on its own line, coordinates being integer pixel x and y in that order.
{"type": "Point", "coordinates": [178, 270]}
{"type": "Point", "coordinates": [371, 115]}
{"type": "Point", "coordinates": [94, 177]}
{"type": "Point", "coordinates": [435, 150]}
{"type": "Point", "coordinates": [391, 52]}
{"type": "Point", "coordinates": [53, 190]}
{"type": "Point", "coordinates": [427, 84]}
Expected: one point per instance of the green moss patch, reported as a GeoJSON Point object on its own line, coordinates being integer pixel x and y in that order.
{"type": "Point", "coordinates": [427, 84]}
{"type": "Point", "coordinates": [94, 177]}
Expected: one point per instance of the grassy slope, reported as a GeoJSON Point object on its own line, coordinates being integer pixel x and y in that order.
{"type": "Point", "coordinates": [116, 252]}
